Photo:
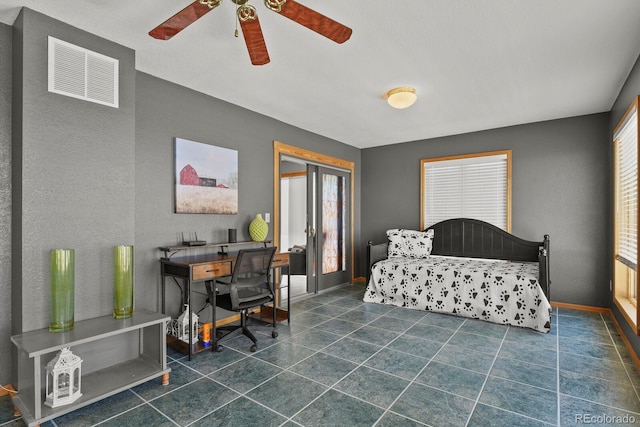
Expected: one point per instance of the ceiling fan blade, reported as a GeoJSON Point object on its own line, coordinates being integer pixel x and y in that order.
{"type": "Point", "coordinates": [311, 19]}
{"type": "Point", "coordinates": [183, 19]}
{"type": "Point", "coordinates": [252, 33]}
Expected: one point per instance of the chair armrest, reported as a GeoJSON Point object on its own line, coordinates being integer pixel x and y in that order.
{"type": "Point", "coordinates": [222, 287]}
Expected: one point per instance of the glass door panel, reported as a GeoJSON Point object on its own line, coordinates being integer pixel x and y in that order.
{"type": "Point", "coordinates": [333, 241]}
{"type": "Point", "coordinates": [312, 187]}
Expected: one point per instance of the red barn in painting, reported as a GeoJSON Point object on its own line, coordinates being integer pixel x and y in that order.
{"type": "Point", "coordinates": [189, 176]}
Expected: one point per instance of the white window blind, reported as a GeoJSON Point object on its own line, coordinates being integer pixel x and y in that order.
{"type": "Point", "coordinates": [469, 187]}
{"type": "Point", "coordinates": [626, 141]}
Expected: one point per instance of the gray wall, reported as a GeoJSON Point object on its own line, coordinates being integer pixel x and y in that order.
{"type": "Point", "coordinates": [89, 177]}
{"type": "Point", "coordinates": [165, 111]}
{"type": "Point", "coordinates": [5, 200]}
{"type": "Point", "coordinates": [630, 90]}
{"type": "Point", "coordinates": [73, 176]}
{"type": "Point", "coordinates": [560, 187]}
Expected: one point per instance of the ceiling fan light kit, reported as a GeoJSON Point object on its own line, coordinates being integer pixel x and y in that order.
{"type": "Point", "coordinates": [401, 97]}
{"type": "Point", "coordinates": [251, 30]}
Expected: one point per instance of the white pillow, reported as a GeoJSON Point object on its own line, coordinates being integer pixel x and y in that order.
{"type": "Point", "coordinates": [409, 243]}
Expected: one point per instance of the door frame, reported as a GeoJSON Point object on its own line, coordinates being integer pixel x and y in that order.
{"type": "Point", "coordinates": [279, 149]}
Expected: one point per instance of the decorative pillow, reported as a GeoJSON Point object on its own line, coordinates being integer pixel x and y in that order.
{"type": "Point", "coordinates": [409, 243]}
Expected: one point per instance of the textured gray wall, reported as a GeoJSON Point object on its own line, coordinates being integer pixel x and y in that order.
{"type": "Point", "coordinates": [95, 177]}
{"type": "Point", "coordinates": [74, 175]}
{"type": "Point", "coordinates": [560, 188]}
{"type": "Point", "coordinates": [89, 177]}
{"type": "Point", "coordinates": [16, 186]}
{"type": "Point", "coordinates": [630, 90]}
{"type": "Point", "coordinates": [165, 111]}
{"type": "Point", "coordinates": [5, 201]}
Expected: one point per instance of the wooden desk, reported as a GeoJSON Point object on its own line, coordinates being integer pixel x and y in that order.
{"type": "Point", "coordinates": [208, 267]}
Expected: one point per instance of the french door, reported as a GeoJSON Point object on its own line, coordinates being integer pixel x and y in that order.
{"type": "Point", "coordinates": [328, 227]}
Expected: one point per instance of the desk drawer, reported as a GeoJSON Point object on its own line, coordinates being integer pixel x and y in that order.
{"type": "Point", "coordinates": [280, 259]}
{"type": "Point", "coordinates": [211, 270]}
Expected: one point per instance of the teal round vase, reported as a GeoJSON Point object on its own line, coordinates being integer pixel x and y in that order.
{"type": "Point", "coordinates": [62, 270]}
{"type": "Point", "coordinates": [258, 229]}
{"type": "Point", "coordinates": [122, 282]}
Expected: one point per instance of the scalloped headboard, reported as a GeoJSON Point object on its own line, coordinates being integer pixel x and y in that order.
{"type": "Point", "coordinates": [465, 237]}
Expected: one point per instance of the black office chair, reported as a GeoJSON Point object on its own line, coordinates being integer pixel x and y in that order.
{"type": "Point", "coordinates": [249, 287]}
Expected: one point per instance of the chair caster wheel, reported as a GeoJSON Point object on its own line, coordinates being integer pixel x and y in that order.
{"type": "Point", "coordinates": [274, 334]}
{"type": "Point", "coordinates": [218, 348]}
{"type": "Point", "coordinates": [253, 348]}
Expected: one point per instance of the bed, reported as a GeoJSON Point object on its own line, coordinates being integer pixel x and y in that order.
{"type": "Point", "coordinates": [464, 267]}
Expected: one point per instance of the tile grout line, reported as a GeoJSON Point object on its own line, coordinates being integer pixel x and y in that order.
{"type": "Point", "coordinates": [354, 369]}
{"type": "Point", "coordinates": [430, 361]}
{"type": "Point", "coordinates": [140, 405]}
{"type": "Point", "coordinates": [300, 361]}
{"type": "Point", "coordinates": [619, 357]}
{"type": "Point", "coordinates": [412, 381]}
{"type": "Point", "coordinates": [624, 365]}
{"type": "Point", "coordinates": [486, 378]}
{"type": "Point", "coordinates": [207, 376]}
{"type": "Point", "coordinates": [240, 394]}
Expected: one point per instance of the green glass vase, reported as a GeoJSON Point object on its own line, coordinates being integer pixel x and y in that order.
{"type": "Point", "coordinates": [122, 281]}
{"type": "Point", "coordinates": [258, 228]}
{"type": "Point", "coordinates": [62, 270]}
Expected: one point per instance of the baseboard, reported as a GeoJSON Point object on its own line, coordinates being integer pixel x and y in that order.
{"type": "Point", "coordinates": [580, 307]}
{"type": "Point", "coordinates": [627, 343]}
{"type": "Point", "coordinates": [359, 280]}
{"type": "Point", "coordinates": [608, 311]}
{"type": "Point", "coordinates": [7, 390]}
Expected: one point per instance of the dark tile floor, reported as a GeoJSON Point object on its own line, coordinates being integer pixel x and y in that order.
{"type": "Point", "coordinates": [345, 363]}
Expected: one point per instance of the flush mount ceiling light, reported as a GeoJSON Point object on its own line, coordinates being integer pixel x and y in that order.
{"type": "Point", "coordinates": [401, 97]}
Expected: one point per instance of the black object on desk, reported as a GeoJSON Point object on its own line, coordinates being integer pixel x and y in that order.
{"type": "Point", "coordinates": [195, 242]}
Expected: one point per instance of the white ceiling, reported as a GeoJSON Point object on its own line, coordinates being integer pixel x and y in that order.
{"type": "Point", "coordinates": [475, 65]}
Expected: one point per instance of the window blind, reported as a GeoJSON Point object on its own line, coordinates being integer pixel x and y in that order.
{"type": "Point", "coordinates": [626, 141]}
{"type": "Point", "coordinates": [471, 187]}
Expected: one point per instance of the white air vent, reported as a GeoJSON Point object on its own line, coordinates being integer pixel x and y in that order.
{"type": "Point", "coordinates": [82, 74]}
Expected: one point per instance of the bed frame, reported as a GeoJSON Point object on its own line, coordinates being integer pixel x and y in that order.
{"type": "Point", "coordinates": [472, 238]}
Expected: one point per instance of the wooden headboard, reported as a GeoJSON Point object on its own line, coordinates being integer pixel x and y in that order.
{"type": "Point", "coordinates": [472, 238]}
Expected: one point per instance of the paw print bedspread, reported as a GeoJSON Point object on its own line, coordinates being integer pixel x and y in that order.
{"type": "Point", "coordinates": [495, 291]}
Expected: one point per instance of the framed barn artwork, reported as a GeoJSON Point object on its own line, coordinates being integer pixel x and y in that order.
{"type": "Point", "coordinates": [206, 178]}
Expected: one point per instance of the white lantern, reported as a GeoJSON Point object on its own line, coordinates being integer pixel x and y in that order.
{"type": "Point", "coordinates": [63, 379]}
{"type": "Point", "coordinates": [183, 325]}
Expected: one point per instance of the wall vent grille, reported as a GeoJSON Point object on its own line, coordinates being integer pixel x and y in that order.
{"type": "Point", "coordinates": [83, 74]}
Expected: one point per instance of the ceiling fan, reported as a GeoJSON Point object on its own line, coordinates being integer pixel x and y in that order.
{"type": "Point", "coordinates": [250, 24]}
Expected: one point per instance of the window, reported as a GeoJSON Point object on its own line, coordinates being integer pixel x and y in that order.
{"type": "Point", "coordinates": [469, 186]}
{"type": "Point", "coordinates": [625, 252]}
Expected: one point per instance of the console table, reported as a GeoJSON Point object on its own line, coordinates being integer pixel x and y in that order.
{"type": "Point", "coordinates": [206, 267]}
{"type": "Point", "coordinates": [116, 354]}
